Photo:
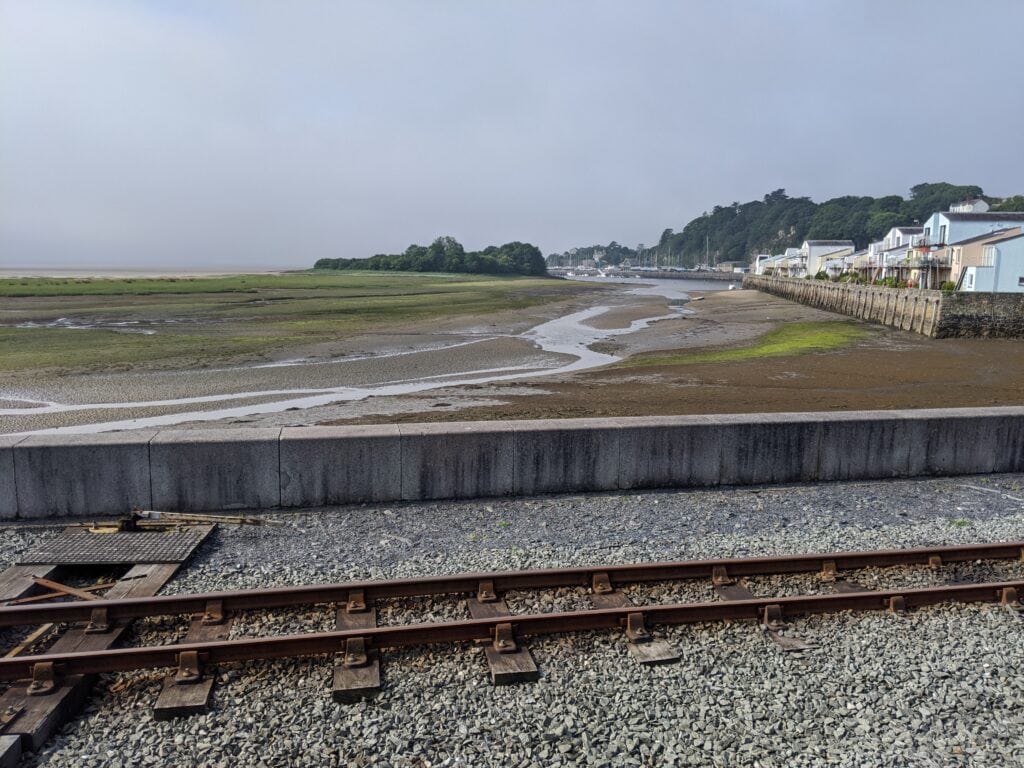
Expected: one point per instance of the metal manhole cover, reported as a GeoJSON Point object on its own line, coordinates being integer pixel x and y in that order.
{"type": "Point", "coordinates": [79, 547]}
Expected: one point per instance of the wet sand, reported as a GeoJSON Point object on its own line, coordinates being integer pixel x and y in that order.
{"type": "Point", "coordinates": [885, 368]}
{"type": "Point", "coordinates": [351, 367]}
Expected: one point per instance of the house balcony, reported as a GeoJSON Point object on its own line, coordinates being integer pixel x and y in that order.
{"type": "Point", "coordinates": [926, 241]}
{"type": "Point", "coordinates": [927, 261]}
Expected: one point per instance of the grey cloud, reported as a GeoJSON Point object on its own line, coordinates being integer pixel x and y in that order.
{"type": "Point", "coordinates": [270, 134]}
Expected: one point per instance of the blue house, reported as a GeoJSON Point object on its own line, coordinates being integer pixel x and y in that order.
{"type": "Point", "coordinates": [1001, 268]}
{"type": "Point", "coordinates": [947, 227]}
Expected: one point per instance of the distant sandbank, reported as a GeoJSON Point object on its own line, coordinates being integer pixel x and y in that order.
{"type": "Point", "coordinates": [14, 272]}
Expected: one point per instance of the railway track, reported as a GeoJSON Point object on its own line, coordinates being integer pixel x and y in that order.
{"type": "Point", "coordinates": [358, 639]}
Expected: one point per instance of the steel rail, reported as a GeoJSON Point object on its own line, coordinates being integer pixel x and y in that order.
{"type": "Point", "coordinates": [313, 644]}
{"type": "Point", "coordinates": [502, 581]}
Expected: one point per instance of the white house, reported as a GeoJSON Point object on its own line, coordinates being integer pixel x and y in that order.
{"type": "Point", "coordinates": [890, 251]}
{"type": "Point", "coordinates": [898, 236]}
{"type": "Point", "coordinates": [974, 205]}
{"type": "Point", "coordinates": [814, 253]}
{"type": "Point", "coordinates": [760, 261]}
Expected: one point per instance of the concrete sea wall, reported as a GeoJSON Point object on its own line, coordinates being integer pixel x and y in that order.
{"type": "Point", "coordinates": [193, 470]}
{"type": "Point", "coordinates": [931, 313]}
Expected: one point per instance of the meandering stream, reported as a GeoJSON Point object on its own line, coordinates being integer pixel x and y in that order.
{"type": "Point", "coordinates": [569, 335]}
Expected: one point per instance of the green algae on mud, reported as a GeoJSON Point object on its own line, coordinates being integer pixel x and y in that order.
{"type": "Point", "coordinates": [789, 339]}
{"type": "Point", "coordinates": [377, 283]}
{"type": "Point", "coordinates": [63, 325]}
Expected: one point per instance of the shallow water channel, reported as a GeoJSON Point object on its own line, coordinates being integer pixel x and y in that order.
{"type": "Point", "coordinates": [569, 336]}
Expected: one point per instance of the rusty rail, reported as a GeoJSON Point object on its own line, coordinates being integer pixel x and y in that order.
{"type": "Point", "coordinates": [504, 581]}
{"type": "Point", "coordinates": [312, 644]}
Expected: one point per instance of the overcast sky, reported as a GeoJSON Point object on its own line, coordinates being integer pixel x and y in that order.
{"type": "Point", "coordinates": [216, 133]}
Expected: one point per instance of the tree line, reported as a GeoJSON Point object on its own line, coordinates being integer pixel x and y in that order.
{"type": "Point", "coordinates": [446, 254]}
{"type": "Point", "coordinates": [770, 225]}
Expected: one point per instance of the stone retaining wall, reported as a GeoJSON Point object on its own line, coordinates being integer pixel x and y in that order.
{"type": "Point", "coordinates": [931, 313]}
{"type": "Point", "coordinates": [219, 469]}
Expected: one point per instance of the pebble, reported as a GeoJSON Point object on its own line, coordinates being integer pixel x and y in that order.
{"type": "Point", "coordinates": [935, 687]}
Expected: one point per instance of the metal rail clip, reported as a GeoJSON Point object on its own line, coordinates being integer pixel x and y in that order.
{"type": "Point", "coordinates": [504, 640]}
{"type": "Point", "coordinates": [485, 592]}
{"type": "Point", "coordinates": [44, 679]}
{"type": "Point", "coordinates": [189, 668]}
{"type": "Point", "coordinates": [99, 620]}
{"type": "Point", "coordinates": [214, 613]}
{"type": "Point", "coordinates": [720, 577]}
{"type": "Point", "coordinates": [9, 715]}
{"type": "Point", "coordinates": [355, 652]}
{"type": "Point", "coordinates": [356, 601]}
{"type": "Point", "coordinates": [601, 584]}
{"type": "Point", "coordinates": [635, 629]}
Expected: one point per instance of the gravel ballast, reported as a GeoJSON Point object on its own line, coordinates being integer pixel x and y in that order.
{"type": "Point", "coordinates": [939, 686]}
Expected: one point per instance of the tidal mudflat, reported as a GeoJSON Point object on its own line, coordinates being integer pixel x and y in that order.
{"type": "Point", "coordinates": [91, 355]}
{"type": "Point", "coordinates": [306, 349]}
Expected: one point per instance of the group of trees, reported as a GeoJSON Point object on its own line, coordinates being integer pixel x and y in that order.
{"type": "Point", "coordinates": [728, 233]}
{"type": "Point", "coordinates": [735, 232]}
{"type": "Point", "coordinates": [613, 253]}
{"type": "Point", "coordinates": [446, 254]}
{"type": "Point", "coordinates": [777, 222]}
{"type": "Point", "coordinates": [1015, 203]}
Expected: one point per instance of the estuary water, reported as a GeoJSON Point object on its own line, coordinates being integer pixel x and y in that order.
{"type": "Point", "coordinates": [568, 339]}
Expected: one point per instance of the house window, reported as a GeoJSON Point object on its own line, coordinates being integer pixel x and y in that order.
{"type": "Point", "coordinates": [942, 233]}
{"type": "Point", "coordinates": [970, 279]}
{"type": "Point", "coordinates": [1020, 282]}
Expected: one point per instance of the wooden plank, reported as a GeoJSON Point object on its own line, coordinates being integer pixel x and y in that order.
{"type": "Point", "coordinates": [19, 580]}
{"type": "Point", "coordinates": [505, 668]}
{"type": "Point", "coordinates": [733, 592]}
{"type": "Point", "coordinates": [42, 715]}
{"type": "Point", "coordinates": [52, 595]}
{"type": "Point", "coordinates": [29, 640]}
{"type": "Point", "coordinates": [64, 589]}
{"type": "Point", "coordinates": [845, 585]}
{"type": "Point", "coordinates": [787, 642]}
{"type": "Point", "coordinates": [655, 651]}
{"type": "Point", "coordinates": [182, 699]}
{"type": "Point", "coordinates": [354, 683]}
{"type": "Point", "coordinates": [10, 751]}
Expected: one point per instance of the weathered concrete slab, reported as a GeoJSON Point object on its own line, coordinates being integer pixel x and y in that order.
{"type": "Point", "coordinates": [8, 484]}
{"type": "Point", "coordinates": [457, 460]}
{"type": "Point", "coordinates": [340, 465]}
{"type": "Point", "coordinates": [103, 474]}
{"type": "Point", "coordinates": [718, 450]}
{"type": "Point", "coordinates": [972, 440]}
{"type": "Point", "coordinates": [106, 474]}
{"type": "Point", "coordinates": [208, 469]}
{"type": "Point", "coordinates": [769, 448]}
{"type": "Point", "coordinates": [865, 445]}
{"type": "Point", "coordinates": [660, 452]}
{"type": "Point", "coordinates": [558, 455]}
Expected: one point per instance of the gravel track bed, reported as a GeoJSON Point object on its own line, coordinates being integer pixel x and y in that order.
{"type": "Point", "coordinates": [939, 686]}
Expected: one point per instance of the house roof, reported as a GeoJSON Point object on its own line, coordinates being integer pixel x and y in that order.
{"type": "Point", "coordinates": [1005, 216]}
{"type": "Point", "coordinates": [909, 230]}
{"type": "Point", "coordinates": [900, 247]}
{"type": "Point", "coordinates": [830, 242]}
{"type": "Point", "coordinates": [987, 236]}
